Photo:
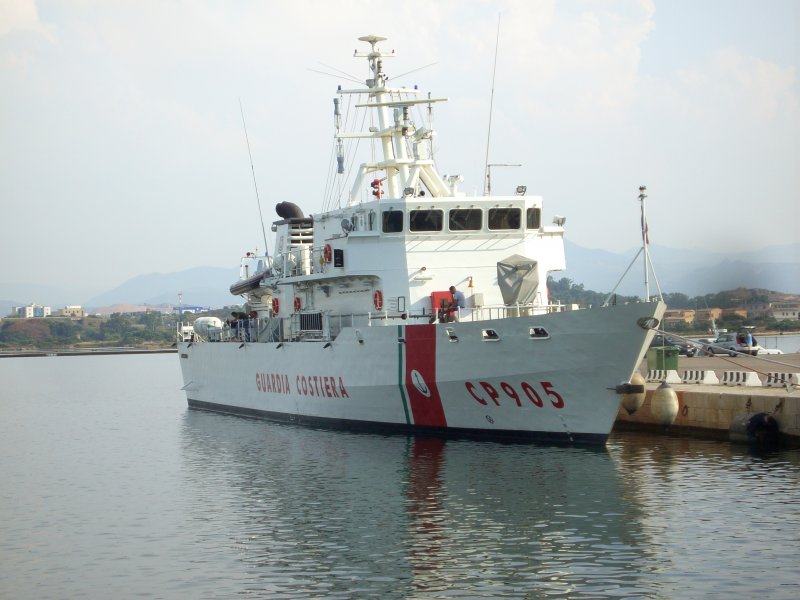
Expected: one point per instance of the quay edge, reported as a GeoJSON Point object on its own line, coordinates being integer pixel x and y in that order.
{"type": "Point", "coordinates": [709, 411]}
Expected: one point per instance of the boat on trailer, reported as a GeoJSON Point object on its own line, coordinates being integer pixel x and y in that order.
{"type": "Point", "coordinates": [351, 322]}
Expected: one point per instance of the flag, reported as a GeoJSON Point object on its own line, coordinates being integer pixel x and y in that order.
{"type": "Point", "coordinates": [645, 236]}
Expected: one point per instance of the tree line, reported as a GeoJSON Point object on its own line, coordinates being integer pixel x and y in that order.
{"type": "Point", "coordinates": [129, 329]}
{"type": "Point", "coordinates": [566, 291]}
{"type": "Point", "coordinates": [155, 328]}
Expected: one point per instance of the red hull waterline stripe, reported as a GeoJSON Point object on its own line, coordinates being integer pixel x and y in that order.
{"type": "Point", "coordinates": [420, 376]}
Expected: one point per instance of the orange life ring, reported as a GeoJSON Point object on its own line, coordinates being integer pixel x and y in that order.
{"type": "Point", "coordinates": [377, 190]}
{"type": "Point", "coordinates": [377, 300]}
{"type": "Point", "coordinates": [328, 253]}
{"type": "Point", "coordinates": [276, 305]}
{"type": "Point", "coordinates": [297, 304]}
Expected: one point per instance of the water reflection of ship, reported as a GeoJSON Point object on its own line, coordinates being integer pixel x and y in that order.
{"type": "Point", "coordinates": [397, 515]}
{"type": "Point", "coordinates": [498, 519]}
{"type": "Point", "coordinates": [427, 536]}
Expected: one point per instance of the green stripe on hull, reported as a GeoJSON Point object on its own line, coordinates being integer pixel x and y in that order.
{"type": "Point", "coordinates": [401, 373]}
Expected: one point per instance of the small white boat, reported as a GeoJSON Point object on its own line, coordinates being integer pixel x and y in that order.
{"type": "Point", "coordinates": [352, 323]}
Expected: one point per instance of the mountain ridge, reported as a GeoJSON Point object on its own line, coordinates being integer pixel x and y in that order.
{"type": "Point", "coordinates": [682, 270]}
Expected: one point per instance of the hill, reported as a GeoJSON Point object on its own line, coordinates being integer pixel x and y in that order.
{"type": "Point", "coordinates": [686, 271]}
{"type": "Point", "coordinates": [678, 270]}
{"type": "Point", "coordinates": [202, 286]}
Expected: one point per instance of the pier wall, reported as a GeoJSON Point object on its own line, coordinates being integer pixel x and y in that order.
{"type": "Point", "coordinates": [710, 410]}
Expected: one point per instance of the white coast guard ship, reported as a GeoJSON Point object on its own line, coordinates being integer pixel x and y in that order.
{"type": "Point", "coordinates": [344, 325]}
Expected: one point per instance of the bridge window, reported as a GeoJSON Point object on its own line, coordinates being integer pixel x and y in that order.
{"type": "Point", "coordinates": [465, 219]}
{"type": "Point", "coordinates": [425, 220]}
{"type": "Point", "coordinates": [392, 221]}
{"type": "Point", "coordinates": [504, 218]}
{"type": "Point", "coordinates": [534, 218]}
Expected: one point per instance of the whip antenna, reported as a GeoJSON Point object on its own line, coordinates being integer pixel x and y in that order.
{"type": "Point", "coordinates": [255, 185]}
{"type": "Point", "coordinates": [486, 175]}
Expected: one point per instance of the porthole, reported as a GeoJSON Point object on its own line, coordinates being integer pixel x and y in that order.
{"type": "Point", "coordinates": [490, 335]}
{"type": "Point", "coordinates": [538, 333]}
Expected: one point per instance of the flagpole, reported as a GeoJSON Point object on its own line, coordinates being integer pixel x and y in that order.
{"type": "Point", "coordinates": [645, 241]}
{"type": "Point", "coordinates": [648, 263]}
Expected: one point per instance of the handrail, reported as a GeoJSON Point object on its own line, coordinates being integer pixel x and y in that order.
{"type": "Point", "coordinates": [289, 328]}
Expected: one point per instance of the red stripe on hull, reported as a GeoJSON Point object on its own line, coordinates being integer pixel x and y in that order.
{"type": "Point", "coordinates": [423, 394]}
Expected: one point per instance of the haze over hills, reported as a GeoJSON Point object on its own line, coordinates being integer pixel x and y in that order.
{"type": "Point", "coordinates": [200, 286]}
{"type": "Point", "coordinates": [774, 268]}
{"type": "Point", "coordinates": [692, 273]}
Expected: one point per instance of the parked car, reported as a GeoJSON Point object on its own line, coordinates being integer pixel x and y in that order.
{"type": "Point", "coordinates": [684, 348]}
{"type": "Point", "coordinates": [733, 343]}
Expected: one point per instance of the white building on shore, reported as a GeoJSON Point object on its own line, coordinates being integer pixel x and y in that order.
{"type": "Point", "coordinates": [31, 311]}
{"type": "Point", "coordinates": [73, 311]}
{"type": "Point", "coordinates": [786, 311]}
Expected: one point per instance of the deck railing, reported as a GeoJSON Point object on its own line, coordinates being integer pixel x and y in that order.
{"type": "Point", "coordinates": [322, 326]}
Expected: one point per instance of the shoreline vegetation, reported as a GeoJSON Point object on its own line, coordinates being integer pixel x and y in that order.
{"type": "Point", "coordinates": [167, 343]}
{"type": "Point", "coordinates": [154, 331]}
{"type": "Point", "coordinates": [6, 353]}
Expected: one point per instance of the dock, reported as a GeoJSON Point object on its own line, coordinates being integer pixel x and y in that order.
{"type": "Point", "coordinates": [709, 410]}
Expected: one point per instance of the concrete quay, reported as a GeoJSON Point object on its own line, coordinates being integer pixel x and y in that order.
{"type": "Point", "coordinates": [709, 410]}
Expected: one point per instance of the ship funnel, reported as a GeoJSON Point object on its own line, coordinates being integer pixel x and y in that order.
{"type": "Point", "coordinates": [518, 279]}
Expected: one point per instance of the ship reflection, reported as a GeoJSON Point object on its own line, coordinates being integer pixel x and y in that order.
{"type": "Point", "coordinates": [496, 520]}
{"type": "Point", "coordinates": [427, 548]}
{"type": "Point", "coordinates": [314, 512]}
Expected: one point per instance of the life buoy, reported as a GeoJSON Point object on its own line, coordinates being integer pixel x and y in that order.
{"type": "Point", "coordinates": [377, 190]}
{"type": "Point", "coordinates": [297, 305]}
{"type": "Point", "coordinates": [276, 305]}
{"type": "Point", "coordinates": [377, 300]}
{"type": "Point", "coordinates": [327, 254]}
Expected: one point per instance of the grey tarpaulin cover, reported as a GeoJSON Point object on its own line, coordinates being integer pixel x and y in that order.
{"type": "Point", "coordinates": [518, 279]}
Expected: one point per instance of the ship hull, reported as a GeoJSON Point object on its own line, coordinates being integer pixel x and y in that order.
{"type": "Point", "coordinates": [549, 377]}
{"type": "Point", "coordinates": [383, 428]}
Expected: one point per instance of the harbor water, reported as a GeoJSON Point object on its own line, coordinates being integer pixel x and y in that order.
{"type": "Point", "coordinates": [787, 344]}
{"type": "Point", "coordinates": [112, 487]}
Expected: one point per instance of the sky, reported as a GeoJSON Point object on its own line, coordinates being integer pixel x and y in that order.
{"type": "Point", "coordinates": [122, 149]}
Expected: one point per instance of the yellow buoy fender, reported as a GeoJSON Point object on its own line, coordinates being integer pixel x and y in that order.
{"type": "Point", "coordinates": [664, 405]}
{"type": "Point", "coordinates": [632, 402]}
